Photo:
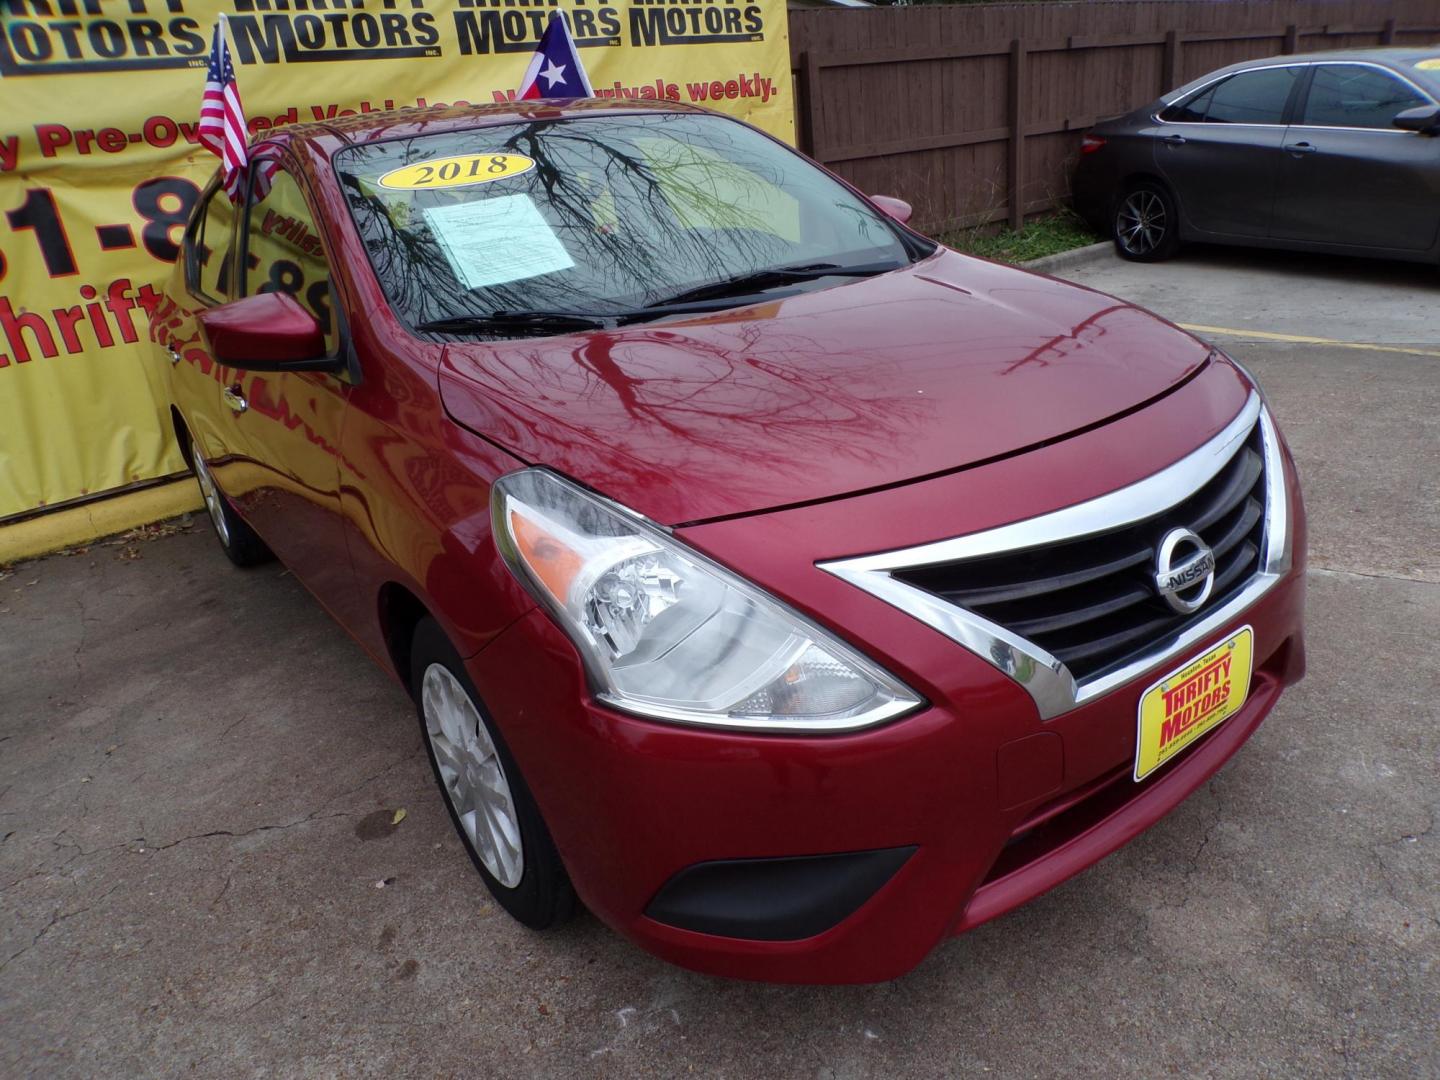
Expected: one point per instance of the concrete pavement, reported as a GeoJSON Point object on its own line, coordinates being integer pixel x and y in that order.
{"type": "Point", "coordinates": [200, 874]}
{"type": "Point", "coordinates": [1325, 296]}
{"type": "Point", "coordinates": [1364, 424]}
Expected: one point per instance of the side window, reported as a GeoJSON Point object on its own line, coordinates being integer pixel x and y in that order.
{"type": "Point", "coordinates": [1191, 110]}
{"type": "Point", "coordinates": [1251, 97]}
{"type": "Point", "coordinates": [1350, 95]}
{"type": "Point", "coordinates": [207, 249]}
{"type": "Point", "coordinates": [283, 249]}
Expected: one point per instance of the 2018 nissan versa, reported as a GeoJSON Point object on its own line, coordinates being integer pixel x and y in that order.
{"type": "Point", "coordinates": [792, 589]}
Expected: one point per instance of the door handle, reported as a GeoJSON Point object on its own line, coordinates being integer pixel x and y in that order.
{"type": "Point", "coordinates": [1301, 148]}
{"type": "Point", "coordinates": [235, 398]}
{"type": "Point", "coordinates": [1174, 140]}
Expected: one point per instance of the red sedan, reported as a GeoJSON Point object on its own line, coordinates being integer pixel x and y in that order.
{"type": "Point", "coordinates": [791, 589]}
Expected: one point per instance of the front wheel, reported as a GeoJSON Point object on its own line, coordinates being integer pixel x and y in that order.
{"type": "Point", "coordinates": [490, 805]}
{"type": "Point", "coordinates": [1146, 224]}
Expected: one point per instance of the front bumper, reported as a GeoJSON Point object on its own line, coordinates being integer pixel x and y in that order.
{"type": "Point", "coordinates": [991, 805]}
{"type": "Point", "coordinates": [631, 803]}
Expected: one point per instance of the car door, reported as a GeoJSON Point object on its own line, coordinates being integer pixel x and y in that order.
{"type": "Point", "coordinates": [1347, 175]}
{"type": "Point", "coordinates": [284, 428]}
{"type": "Point", "coordinates": [203, 279]}
{"type": "Point", "coordinates": [1219, 149]}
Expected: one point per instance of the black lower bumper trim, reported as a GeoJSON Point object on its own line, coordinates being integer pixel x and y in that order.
{"type": "Point", "coordinates": [782, 899]}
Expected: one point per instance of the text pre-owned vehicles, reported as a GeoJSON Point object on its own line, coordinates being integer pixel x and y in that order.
{"type": "Point", "coordinates": [800, 591]}
{"type": "Point", "coordinates": [1333, 152]}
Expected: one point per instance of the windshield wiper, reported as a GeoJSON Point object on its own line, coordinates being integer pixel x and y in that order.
{"type": "Point", "coordinates": [559, 322]}
{"type": "Point", "coordinates": [543, 322]}
{"type": "Point", "coordinates": [759, 280]}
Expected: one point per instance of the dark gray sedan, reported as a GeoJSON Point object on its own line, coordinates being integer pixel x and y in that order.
{"type": "Point", "coordinates": [1334, 152]}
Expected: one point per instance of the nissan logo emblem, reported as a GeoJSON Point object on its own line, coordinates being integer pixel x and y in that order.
{"type": "Point", "coordinates": [1184, 570]}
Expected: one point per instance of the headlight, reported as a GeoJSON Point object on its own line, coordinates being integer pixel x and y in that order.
{"type": "Point", "coordinates": [666, 633]}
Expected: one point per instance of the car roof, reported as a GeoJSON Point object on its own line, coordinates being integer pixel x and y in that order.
{"type": "Point", "coordinates": [1402, 60]}
{"type": "Point", "coordinates": [1397, 57]}
{"type": "Point", "coordinates": [329, 136]}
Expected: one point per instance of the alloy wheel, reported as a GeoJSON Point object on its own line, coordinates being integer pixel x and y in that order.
{"type": "Point", "coordinates": [213, 506]}
{"type": "Point", "coordinates": [1141, 222]}
{"type": "Point", "coordinates": [472, 775]}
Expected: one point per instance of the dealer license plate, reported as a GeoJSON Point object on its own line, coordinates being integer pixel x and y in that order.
{"type": "Point", "coordinates": [1192, 700]}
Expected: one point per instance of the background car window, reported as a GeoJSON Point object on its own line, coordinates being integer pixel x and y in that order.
{"type": "Point", "coordinates": [1252, 97]}
{"type": "Point", "coordinates": [1349, 95]}
{"type": "Point", "coordinates": [284, 252]}
{"type": "Point", "coordinates": [211, 256]}
{"type": "Point", "coordinates": [1191, 110]}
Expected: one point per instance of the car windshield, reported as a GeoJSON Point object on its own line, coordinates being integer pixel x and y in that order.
{"type": "Point", "coordinates": [601, 216]}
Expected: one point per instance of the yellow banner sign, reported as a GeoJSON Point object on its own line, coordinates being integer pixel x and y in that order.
{"type": "Point", "coordinates": [99, 168]}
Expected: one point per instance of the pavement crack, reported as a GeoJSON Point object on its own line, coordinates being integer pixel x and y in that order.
{"type": "Point", "coordinates": [1204, 841]}
{"type": "Point", "coordinates": [1388, 876]}
{"type": "Point", "coordinates": [1332, 571]}
{"type": "Point", "coordinates": [1415, 837]}
{"type": "Point", "coordinates": [363, 784]}
{"type": "Point", "coordinates": [309, 818]}
{"type": "Point", "coordinates": [56, 918]}
{"type": "Point", "coordinates": [84, 632]}
{"type": "Point", "coordinates": [1209, 829]}
{"type": "Point", "coordinates": [262, 998]}
{"type": "Point", "coordinates": [76, 850]}
{"type": "Point", "coordinates": [233, 726]}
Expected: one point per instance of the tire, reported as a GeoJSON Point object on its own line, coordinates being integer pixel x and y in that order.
{"type": "Point", "coordinates": [1145, 223]}
{"type": "Point", "coordinates": [241, 544]}
{"type": "Point", "coordinates": [489, 803]}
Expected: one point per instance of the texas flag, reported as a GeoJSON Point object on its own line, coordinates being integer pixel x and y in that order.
{"type": "Point", "coordinates": [555, 70]}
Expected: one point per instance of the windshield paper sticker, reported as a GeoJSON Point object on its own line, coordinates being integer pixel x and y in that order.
{"type": "Point", "coordinates": [1433, 64]}
{"type": "Point", "coordinates": [492, 241]}
{"type": "Point", "coordinates": [459, 171]}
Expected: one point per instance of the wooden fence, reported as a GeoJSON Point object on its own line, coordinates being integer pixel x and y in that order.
{"type": "Point", "coordinates": [974, 113]}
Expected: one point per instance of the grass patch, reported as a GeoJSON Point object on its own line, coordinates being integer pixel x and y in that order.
{"type": "Point", "coordinates": [1043, 236]}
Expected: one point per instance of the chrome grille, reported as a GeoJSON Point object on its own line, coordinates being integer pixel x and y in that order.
{"type": "Point", "coordinates": [1079, 579]}
{"type": "Point", "coordinates": [1092, 603]}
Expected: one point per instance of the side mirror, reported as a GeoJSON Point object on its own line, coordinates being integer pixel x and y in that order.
{"type": "Point", "coordinates": [898, 209]}
{"type": "Point", "coordinates": [266, 332]}
{"type": "Point", "coordinates": [1423, 118]}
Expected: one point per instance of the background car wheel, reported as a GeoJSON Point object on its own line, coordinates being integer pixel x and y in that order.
{"type": "Point", "coordinates": [489, 802]}
{"type": "Point", "coordinates": [241, 543]}
{"type": "Point", "coordinates": [1146, 224]}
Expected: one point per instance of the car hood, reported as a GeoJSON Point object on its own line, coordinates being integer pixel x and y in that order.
{"type": "Point", "coordinates": [929, 369]}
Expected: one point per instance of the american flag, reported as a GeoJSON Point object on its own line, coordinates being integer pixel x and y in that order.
{"type": "Point", "coordinates": [222, 119]}
{"type": "Point", "coordinates": [555, 70]}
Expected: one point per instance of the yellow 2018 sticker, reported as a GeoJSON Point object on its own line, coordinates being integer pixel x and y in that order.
{"type": "Point", "coordinates": [459, 171]}
{"type": "Point", "coordinates": [1433, 64]}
